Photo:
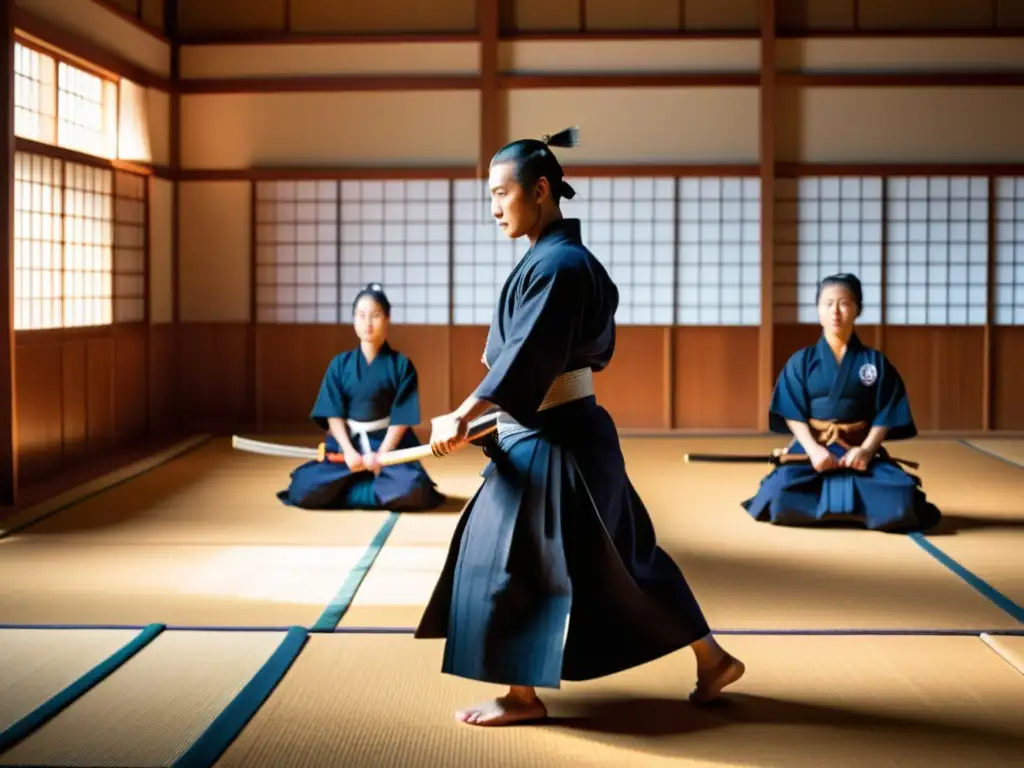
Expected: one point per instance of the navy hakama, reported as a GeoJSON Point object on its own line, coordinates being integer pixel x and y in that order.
{"type": "Point", "coordinates": [370, 397]}
{"type": "Point", "coordinates": [554, 572]}
{"type": "Point", "coordinates": [865, 388]}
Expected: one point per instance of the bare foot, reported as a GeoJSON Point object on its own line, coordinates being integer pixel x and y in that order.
{"type": "Point", "coordinates": [505, 710]}
{"type": "Point", "coordinates": [711, 682]}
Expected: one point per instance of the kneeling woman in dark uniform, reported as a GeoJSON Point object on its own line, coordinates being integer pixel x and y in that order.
{"type": "Point", "coordinates": [840, 400]}
{"type": "Point", "coordinates": [368, 402]}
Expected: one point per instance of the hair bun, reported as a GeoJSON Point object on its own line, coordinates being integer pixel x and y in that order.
{"type": "Point", "coordinates": [375, 287]}
{"type": "Point", "coordinates": [570, 137]}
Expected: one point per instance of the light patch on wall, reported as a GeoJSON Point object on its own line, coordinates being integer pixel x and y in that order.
{"type": "Point", "coordinates": [549, 56]}
{"type": "Point", "coordinates": [643, 125]}
{"type": "Point", "coordinates": [158, 105]}
{"type": "Point", "coordinates": [901, 55]}
{"type": "Point", "coordinates": [901, 125]}
{"type": "Point", "coordinates": [214, 255]}
{"type": "Point", "coordinates": [210, 61]}
{"type": "Point", "coordinates": [412, 128]}
{"type": "Point", "coordinates": [90, 20]}
{"type": "Point", "coordinates": [161, 277]}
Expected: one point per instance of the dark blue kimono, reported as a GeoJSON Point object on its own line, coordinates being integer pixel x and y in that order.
{"type": "Point", "coordinates": [865, 387]}
{"type": "Point", "coordinates": [554, 572]}
{"type": "Point", "coordinates": [365, 392]}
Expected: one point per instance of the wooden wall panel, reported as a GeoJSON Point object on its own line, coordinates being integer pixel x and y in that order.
{"type": "Point", "coordinates": [292, 361]}
{"type": "Point", "coordinates": [632, 388]}
{"type": "Point", "coordinates": [382, 16]}
{"type": "Point", "coordinates": [684, 378]}
{"type": "Point", "coordinates": [131, 383]}
{"type": "Point", "coordinates": [715, 378]}
{"type": "Point", "coordinates": [82, 392]}
{"type": "Point", "coordinates": [203, 16]}
{"type": "Point", "coordinates": [39, 411]}
{"type": "Point", "coordinates": [926, 14]}
{"type": "Point", "coordinates": [791, 337]}
{"type": "Point", "coordinates": [541, 16]}
{"type": "Point", "coordinates": [74, 402]}
{"type": "Point", "coordinates": [215, 383]}
{"type": "Point", "coordinates": [943, 371]}
{"type": "Point", "coordinates": [467, 347]}
{"type": "Point", "coordinates": [1007, 392]}
{"type": "Point", "coordinates": [164, 403]}
{"type": "Point", "coordinates": [815, 14]}
{"type": "Point", "coordinates": [99, 394]}
{"type": "Point", "coordinates": [429, 348]}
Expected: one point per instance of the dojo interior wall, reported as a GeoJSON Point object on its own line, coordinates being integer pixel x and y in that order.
{"type": "Point", "coordinates": [281, 109]}
{"type": "Point", "coordinates": [83, 392]}
{"type": "Point", "coordinates": [693, 376]}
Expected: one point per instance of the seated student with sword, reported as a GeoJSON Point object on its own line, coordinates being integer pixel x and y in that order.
{"type": "Point", "coordinates": [839, 399]}
{"type": "Point", "coordinates": [367, 404]}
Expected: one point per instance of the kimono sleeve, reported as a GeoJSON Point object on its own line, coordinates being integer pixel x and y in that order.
{"type": "Point", "coordinates": [892, 404]}
{"type": "Point", "coordinates": [405, 410]}
{"type": "Point", "coordinates": [789, 399]}
{"type": "Point", "coordinates": [539, 340]}
{"type": "Point", "coordinates": [331, 401]}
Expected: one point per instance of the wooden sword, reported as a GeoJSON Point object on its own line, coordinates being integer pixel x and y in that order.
{"type": "Point", "coordinates": [478, 428]}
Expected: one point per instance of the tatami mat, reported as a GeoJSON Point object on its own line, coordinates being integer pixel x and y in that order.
{"type": "Point", "coordinates": [756, 575]}
{"type": "Point", "coordinates": [203, 540]}
{"type": "Point", "coordinates": [1008, 448]}
{"type": "Point", "coordinates": [70, 582]}
{"type": "Point", "coordinates": [751, 575]}
{"type": "Point", "coordinates": [402, 579]}
{"type": "Point", "coordinates": [53, 503]}
{"type": "Point", "coordinates": [152, 709]}
{"type": "Point", "coordinates": [37, 664]}
{"type": "Point", "coordinates": [213, 495]}
{"type": "Point", "coordinates": [806, 701]}
{"type": "Point", "coordinates": [983, 502]}
{"type": "Point", "coordinates": [200, 540]}
{"type": "Point", "coordinates": [1010, 649]}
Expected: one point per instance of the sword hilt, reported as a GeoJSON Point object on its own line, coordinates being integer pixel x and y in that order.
{"type": "Point", "coordinates": [330, 458]}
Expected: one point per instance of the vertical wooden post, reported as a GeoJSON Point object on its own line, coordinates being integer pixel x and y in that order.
{"type": "Point", "coordinates": [174, 348]}
{"type": "Point", "coordinates": [488, 19]}
{"type": "Point", "coordinates": [8, 409]}
{"type": "Point", "coordinates": [492, 131]}
{"type": "Point", "coordinates": [766, 336]}
{"type": "Point", "coordinates": [171, 30]}
{"type": "Point", "coordinates": [989, 417]}
{"type": "Point", "coordinates": [147, 311]}
{"type": "Point", "coordinates": [669, 345]}
{"type": "Point", "coordinates": [255, 383]}
{"type": "Point", "coordinates": [883, 292]}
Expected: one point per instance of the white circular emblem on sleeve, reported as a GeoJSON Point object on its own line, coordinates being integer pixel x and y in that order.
{"type": "Point", "coordinates": [868, 374]}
